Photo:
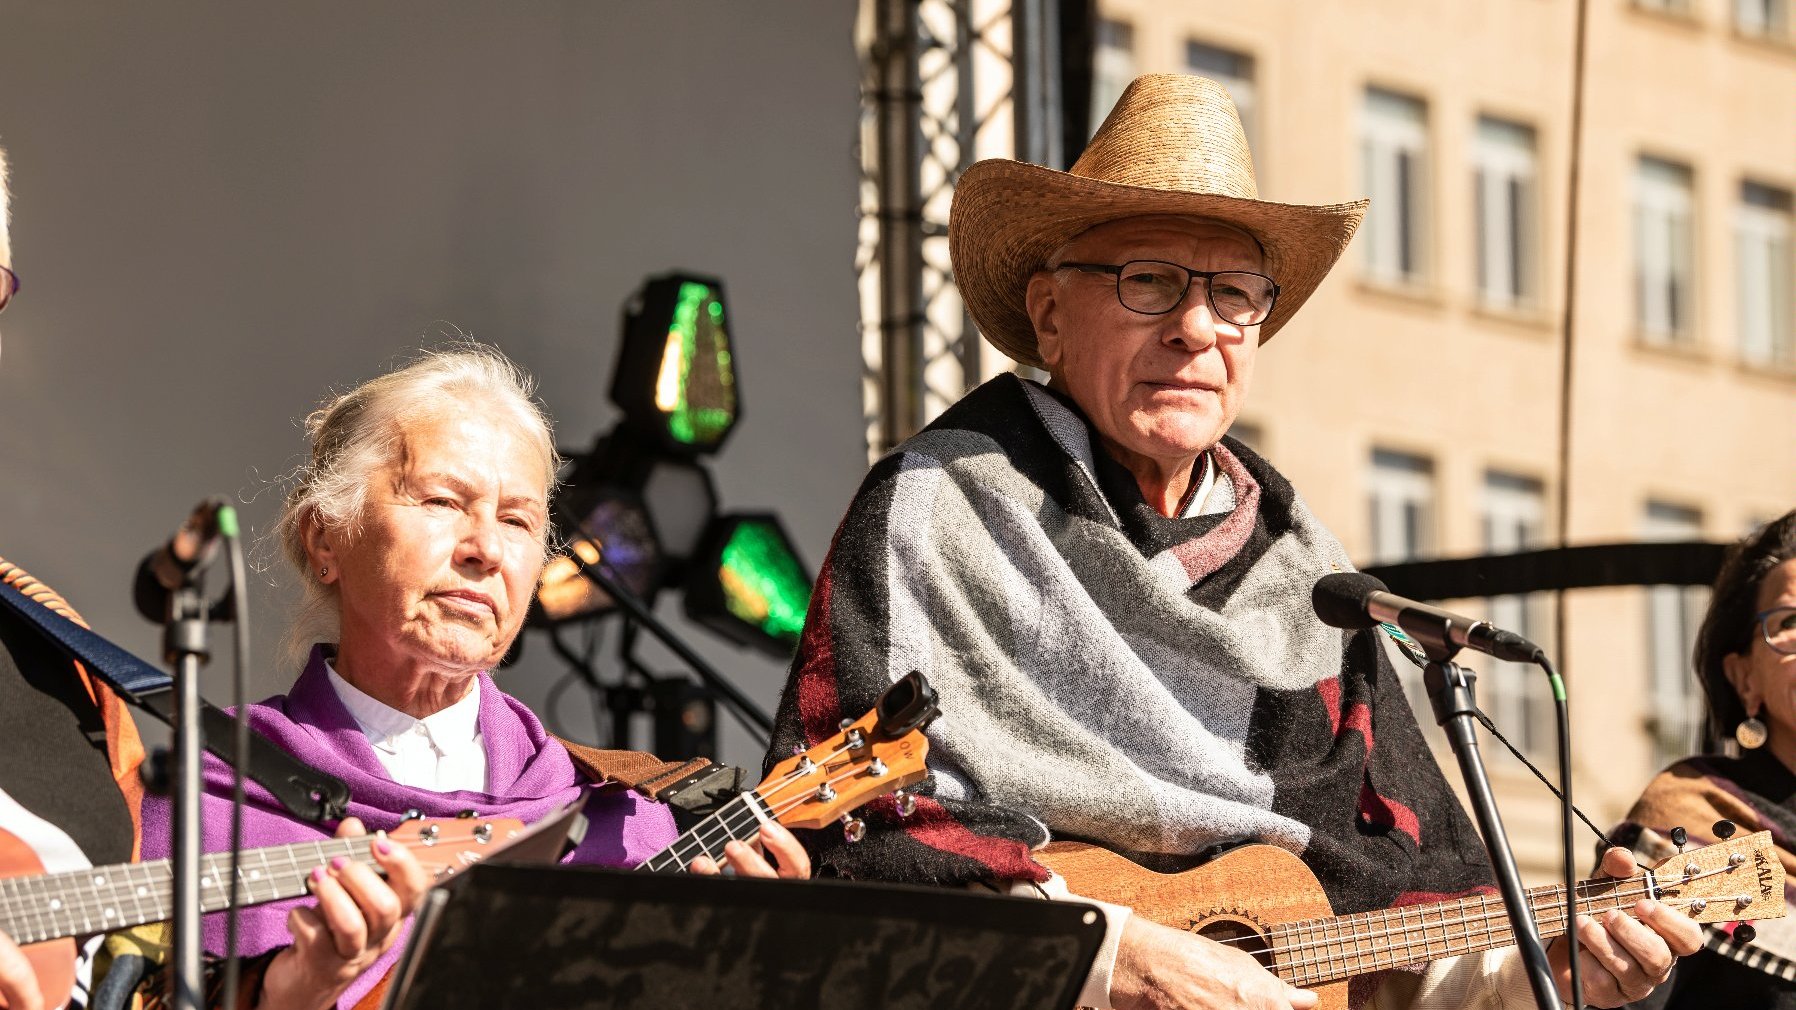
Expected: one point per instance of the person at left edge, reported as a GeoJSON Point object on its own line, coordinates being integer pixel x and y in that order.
{"type": "Point", "coordinates": [69, 752]}
{"type": "Point", "coordinates": [418, 529]}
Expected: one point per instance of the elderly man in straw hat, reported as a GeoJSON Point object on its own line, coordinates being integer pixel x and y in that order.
{"type": "Point", "coordinates": [1112, 597]}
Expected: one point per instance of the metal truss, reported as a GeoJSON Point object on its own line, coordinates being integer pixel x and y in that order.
{"type": "Point", "coordinates": [939, 91]}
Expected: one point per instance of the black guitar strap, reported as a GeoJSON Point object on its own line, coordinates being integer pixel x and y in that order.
{"type": "Point", "coordinates": [302, 789]}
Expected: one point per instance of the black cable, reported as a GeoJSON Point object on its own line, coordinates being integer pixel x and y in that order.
{"type": "Point", "coordinates": [239, 738]}
{"type": "Point", "coordinates": [1570, 869]}
{"type": "Point", "coordinates": [1519, 756]}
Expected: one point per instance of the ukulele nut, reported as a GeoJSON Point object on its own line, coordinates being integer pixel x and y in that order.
{"type": "Point", "coordinates": [1691, 871]}
{"type": "Point", "coordinates": [855, 739]}
{"type": "Point", "coordinates": [1736, 859]}
{"type": "Point", "coordinates": [1742, 901]}
{"type": "Point", "coordinates": [876, 768]}
{"type": "Point", "coordinates": [825, 793]}
{"type": "Point", "coordinates": [805, 766]}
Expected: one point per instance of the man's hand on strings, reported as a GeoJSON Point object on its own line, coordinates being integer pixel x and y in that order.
{"type": "Point", "coordinates": [1624, 957]}
{"type": "Point", "coordinates": [775, 853]}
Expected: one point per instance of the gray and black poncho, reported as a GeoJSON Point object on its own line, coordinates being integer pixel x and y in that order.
{"type": "Point", "coordinates": [1158, 686]}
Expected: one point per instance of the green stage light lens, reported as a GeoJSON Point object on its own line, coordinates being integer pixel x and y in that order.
{"type": "Point", "coordinates": [695, 387]}
{"type": "Point", "coordinates": [763, 584]}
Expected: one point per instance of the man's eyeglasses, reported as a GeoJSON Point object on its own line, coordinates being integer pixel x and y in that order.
{"type": "Point", "coordinates": [9, 286]}
{"type": "Point", "coordinates": [1778, 625]}
{"type": "Point", "coordinates": [1155, 287]}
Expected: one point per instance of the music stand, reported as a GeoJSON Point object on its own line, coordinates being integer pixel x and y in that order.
{"type": "Point", "coordinates": [564, 937]}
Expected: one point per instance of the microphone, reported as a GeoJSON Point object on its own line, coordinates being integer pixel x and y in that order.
{"type": "Point", "coordinates": [175, 563]}
{"type": "Point", "coordinates": [1355, 600]}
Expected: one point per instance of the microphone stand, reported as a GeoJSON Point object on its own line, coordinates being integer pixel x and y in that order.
{"type": "Point", "coordinates": [184, 646]}
{"type": "Point", "coordinates": [1450, 691]}
{"type": "Point", "coordinates": [751, 713]}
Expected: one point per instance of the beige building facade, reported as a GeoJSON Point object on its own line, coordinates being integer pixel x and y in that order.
{"type": "Point", "coordinates": [1415, 402]}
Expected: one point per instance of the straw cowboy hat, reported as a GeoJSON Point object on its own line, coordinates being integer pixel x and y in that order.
{"type": "Point", "coordinates": [1172, 145]}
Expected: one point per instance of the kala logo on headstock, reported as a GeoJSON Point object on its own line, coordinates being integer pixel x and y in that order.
{"type": "Point", "coordinates": [1711, 884]}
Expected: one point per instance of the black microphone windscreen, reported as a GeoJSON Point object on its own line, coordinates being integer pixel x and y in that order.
{"type": "Point", "coordinates": [1340, 599]}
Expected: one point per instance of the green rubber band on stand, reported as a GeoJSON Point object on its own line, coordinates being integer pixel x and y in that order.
{"type": "Point", "coordinates": [227, 521]}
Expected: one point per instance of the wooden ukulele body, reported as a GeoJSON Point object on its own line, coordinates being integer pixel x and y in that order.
{"type": "Point", "coordinates": [53, 961]}
{"type": "Point", "coordinates": [1236, 897]}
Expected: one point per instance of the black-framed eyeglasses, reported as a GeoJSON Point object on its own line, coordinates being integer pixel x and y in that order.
{"type": "Point", "coordinates": [1778, 625]}
{"type": "Point", "coordinates": [1156, 287]}
{"type": "Point", "coordinates": [9, 286]}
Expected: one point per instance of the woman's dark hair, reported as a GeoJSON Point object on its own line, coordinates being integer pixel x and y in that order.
{"type": "Point", "coordinates": [1728, 627]}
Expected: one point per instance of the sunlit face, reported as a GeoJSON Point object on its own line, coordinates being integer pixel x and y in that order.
{"type": "Point", "coordinates": [1164, 387]}
{"type": "Point", "coordinates": [440, 571]}
{"type": "Point", "coordinates": [1764, 678]}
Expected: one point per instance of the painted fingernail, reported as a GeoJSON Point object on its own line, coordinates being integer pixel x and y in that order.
{"type": "Point", "coordinates": [381, 845]}
{"type": "Point", "coordinates": [338, 862]}
{"type": "Point", "coordinates": [317, 874]}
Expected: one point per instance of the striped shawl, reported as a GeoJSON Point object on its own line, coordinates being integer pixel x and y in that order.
{"type": "Point", "coordinates": [1161, 697]}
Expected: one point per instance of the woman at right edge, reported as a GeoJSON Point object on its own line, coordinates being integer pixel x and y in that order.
{"type": "Point", "coordinates": [1745, 658]}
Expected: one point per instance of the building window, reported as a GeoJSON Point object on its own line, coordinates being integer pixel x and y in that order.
{"type": "Point", "coordinates": [1762, 239]}
{"type": "Point", "coordinates": [1402, 504]}
{"type": "Point", "coordinates": [1393, 159]}
{"type": "Point", "coordinates": [1516, 695]}
{"type": "Point", "coordinates": [1762, 19]}
{"type": "Point", "coordinates": [1505, 207]}
{"type": "Point", "coordinates": [1673, 614]}
{"type": "Point", "coordinates": [1234, 71]}
{"type": "Point", "coordinates": [1112, 67]}
{"type": "Point", "coordinates": [1664, 280]}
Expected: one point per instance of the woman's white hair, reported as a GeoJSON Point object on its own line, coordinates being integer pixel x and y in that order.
{"type": "Point", "coordinates": [355, 434]}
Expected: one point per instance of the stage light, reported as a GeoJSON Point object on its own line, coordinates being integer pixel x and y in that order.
{"type": "Point", "coordinates": [614, 526]}
{"type": "Point", "coordinates": [747, 583]}
{"type": "Point", "coordinates": [675, 376]}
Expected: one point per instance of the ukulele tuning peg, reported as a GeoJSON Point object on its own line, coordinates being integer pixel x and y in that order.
{"type": "Point", "coordinates": [1678, 837]}
{"type": "Point", "coordinates": [907, 804]}
{"type": "Point", "coordinates": [414, 814]}
{"type": "Point", "coordinates": [1744, 933]}
{"type": "Point", "coordinates": [1725, 829]}
{"type": "Point", "coordinates": [798, 748]}
{"type": "Point", "coordinates": [853, 828]}
{"type": "Point", "coordinates": [845, 723]}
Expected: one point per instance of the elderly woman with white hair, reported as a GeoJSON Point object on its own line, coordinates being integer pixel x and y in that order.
{"type": "Point", "coordinates": [418, 528]}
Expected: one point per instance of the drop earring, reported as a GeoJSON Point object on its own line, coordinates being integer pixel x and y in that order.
{"type": "Point", "coordinates": [1751, 733]}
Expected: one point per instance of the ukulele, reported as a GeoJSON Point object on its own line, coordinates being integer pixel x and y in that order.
{"type": "Point", "coordinates": [1263, 900]}
{"type": "Point", "coordinates": [881, 752]}
{"type": "Point", "coordinates": [43, 912]}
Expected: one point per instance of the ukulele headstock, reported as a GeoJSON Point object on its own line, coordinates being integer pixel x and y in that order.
{"type": "Point", "coordinates": [1733, 879]}
{"type": "Point", "coordinates": [446, 846]}
{"type": "Point", "coordinates": [881, 752]}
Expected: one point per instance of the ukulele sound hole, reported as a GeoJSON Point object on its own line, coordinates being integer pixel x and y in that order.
{"type": "Point", "coordinates": [1237, 934]}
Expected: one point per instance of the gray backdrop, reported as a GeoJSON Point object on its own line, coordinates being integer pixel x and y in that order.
{"type": "Point", "coordinates": [222, 210]}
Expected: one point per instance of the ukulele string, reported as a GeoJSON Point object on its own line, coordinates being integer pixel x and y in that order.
{"type": "Point", "coordinates": [1488, 922]}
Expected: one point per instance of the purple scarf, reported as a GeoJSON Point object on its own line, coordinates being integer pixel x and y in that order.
{"type": "Point", "coordinates": [528, 775]}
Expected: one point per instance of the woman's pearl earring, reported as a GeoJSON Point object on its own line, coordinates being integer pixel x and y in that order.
{"type": "Point", "coordinates": [322, 572]}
